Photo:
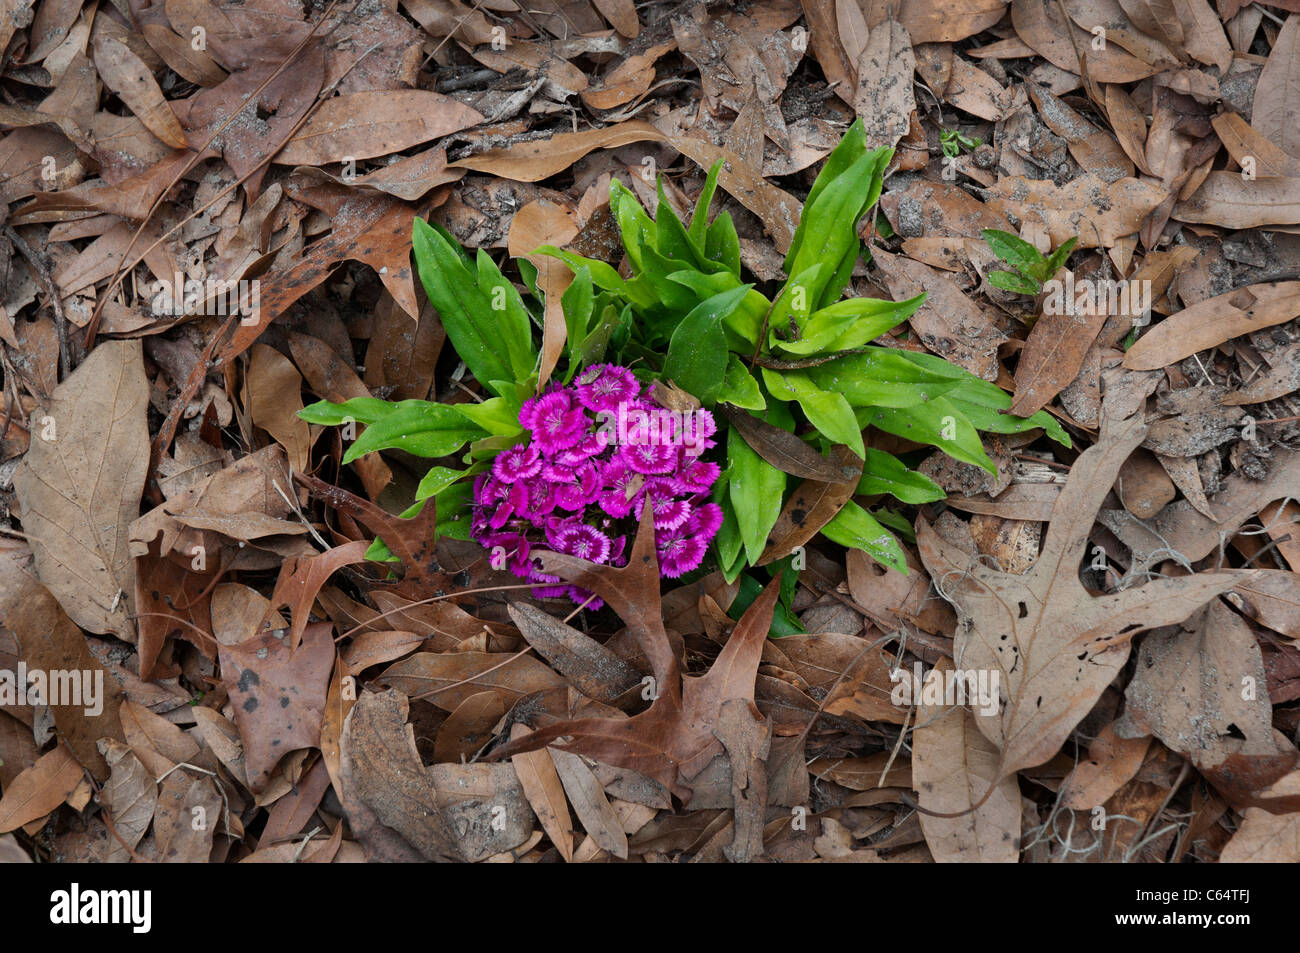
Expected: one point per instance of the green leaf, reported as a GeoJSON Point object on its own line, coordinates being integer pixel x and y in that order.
{"type": "Point", "coordinates": [831, 227]}
{"type": "Point", "coordinates": [637, 228]}
{"type": "Point", "coordinates": [856, 528]}
{"type": "Point", "coordinates": [454, 504]}
{"type": "Point", "coordinates": [495, 416]}
{"type": "Point", "coordinates": [700, 219]}
{"type": "Point", "coordinates": [881, 377]}
{"type": "Point", "coordinates": [465, 311]}
{"type": "Point", "coordinates": [849, 150]}
{"type": "Point", "coordinates": [983, 402]}
{"type": "Point", "coordinates": [938, 423]}
{"type": "Point", "coordinates": [828, 411]}
{"type": "Point", "coordinates": [739, 387]}
{"type": "Point", "coordinates": [512, 321]}
{"type": "Point", "coordinates": [437, 480]}
{"type": "Point", "coordinates": [850, 323]}
{"type": "Point", "coordinates": [697, 352]}
{"type": "Point", "coordinates": [670, 234]}
{"type": "Point", "coordinates": [578, 304]}
{"type": "Point", "coordinates": [794, 301]}
{"type": "Point", "coordinates": [361, 410]}
{"type": "Point", "coordinates": [1015, 251]}
{"type": "Point", "coordinates": [722, 244]}
{"type": "Point", "coordinates": [419, 427]}
{"type": "Point", "coordinates": [885, 473]}
{"type": "Point", "coordinates": [784, 621]}
{"type": "Point", "coordinates": [1058, 257]}
{"type": "Point", "coordinates": [1010, 282]}
{"type": "Point", "coordinates": [756, 488]}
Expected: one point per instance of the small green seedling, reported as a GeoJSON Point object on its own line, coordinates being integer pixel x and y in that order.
{"type": "Point", "coordinates": [952, 142]}
{"type": "Point", "coordinates": [1034, 268]}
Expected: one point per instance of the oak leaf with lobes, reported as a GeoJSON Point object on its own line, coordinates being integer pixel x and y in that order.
{"type": "Point", "coordinates": [673, 740]}
{"type": "Point", "coordinates": [1053, 645]}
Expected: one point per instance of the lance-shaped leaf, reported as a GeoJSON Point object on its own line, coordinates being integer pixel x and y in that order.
{"type": "Point", "coordinates": [1053, 646]}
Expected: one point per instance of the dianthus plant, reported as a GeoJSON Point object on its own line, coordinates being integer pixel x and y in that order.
{"type": "Point", "coordinates": [598, 453]}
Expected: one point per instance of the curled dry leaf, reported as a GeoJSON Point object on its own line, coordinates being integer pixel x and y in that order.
{"type": "Point", "coordinates": [1192, 690]}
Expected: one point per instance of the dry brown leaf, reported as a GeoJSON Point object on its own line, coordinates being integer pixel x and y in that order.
{"type": "Point", "coordinates": [812, 505]}
{"type": "Point", "coordinates": [469, 728]}
{"type": "Point", "coordinates": [1265, 837]}
{"type": "Point", "coordinates": [592, 668]}
{"type": "Point", "coordinates": [279, 696]}
{"type": "Point", "coordinates": [446, 679]}
{"type": "Point", "coordinates": [883, 97]}
{"type": "Point", "coordinates": [1203, 35]}
{"type": "Point", "coordinates": [131, 795]}
{"type": "Point", "coordinates": [1214, 321]}
{"type": "Point", "coordinates": [375, 123]}
{"type": "Point", "coordinates": [125, 74]}
{"type": "Point", "coordinates": [596, 814]}
{"type": "Point", "coordinates": [1112, 763]}
{"type": "Point", "coordinates": [949, 322]}
{"type": "Point", "coordinates": [40, 789]}
{"type": "Point", "coordinates": [381, 768]}
{"type": "Point", "coordinates": [541, 783]}
{"type": "Point", "coordinates": [1054, 646]}
{"type": "Point", "coordinates": [52, 642]}
{"type": "Point", "coordinates": [1276, 108]}
{"type": "Point", "coordinates": [274, 399]}
{"type": "Point", "coordinates": [1232, 201]}
{"type": "Point", "coordinates": [1099, 213]}
{"type": "Point", "coordinates": [1054, 353]}
{"type": "Point", "coordinates": [1246, 144]}
{"type": "Point", "coordinates": [543, 222]}
{"type": "Point", "coordinates": [80, 484]}
{"type": "Point", "coordinates": [1199, 688]}
{"type": "Point", "coordinates": [1041, 25]}
{"type": "Point", "coordinates": [953, 766]}
{"type": "Point", "coordinates": [673, 740]}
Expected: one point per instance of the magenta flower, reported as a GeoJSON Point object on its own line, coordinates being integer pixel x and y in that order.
{"type": "Point", "coordinates": [605, 386]}
{"type": "Point", "coordinates": [695, 475]}
{"type": "Point", "coordinates": [555, 423]}
{"type": "Point", "coordinates": [669, 511]}
{"type": "Point", "coordinates": [679, 553]}
{"type": "Point", "coordinates": [517, 463]}
{"type": "Point", "coordinates": [576, 486]}
{"type": "Point", "coordinates": [650, 457]}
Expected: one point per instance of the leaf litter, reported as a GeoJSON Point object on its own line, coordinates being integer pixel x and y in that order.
{"type": "Point", "coordinates": [173, 531]}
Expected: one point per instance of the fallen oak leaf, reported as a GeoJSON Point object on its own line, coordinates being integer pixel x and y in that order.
{"type": "Point", "coordinates": [278, 696]}
{"type": "Point", "coordinates": [410, 540]}
{"type": "Point", "coordinates": [673, 740]}
{"type": "Point", "coordinates": [1053, 645]}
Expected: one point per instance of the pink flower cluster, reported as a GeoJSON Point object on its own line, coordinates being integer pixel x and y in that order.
{"type": "Point", "coordinates": [577, 486]}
